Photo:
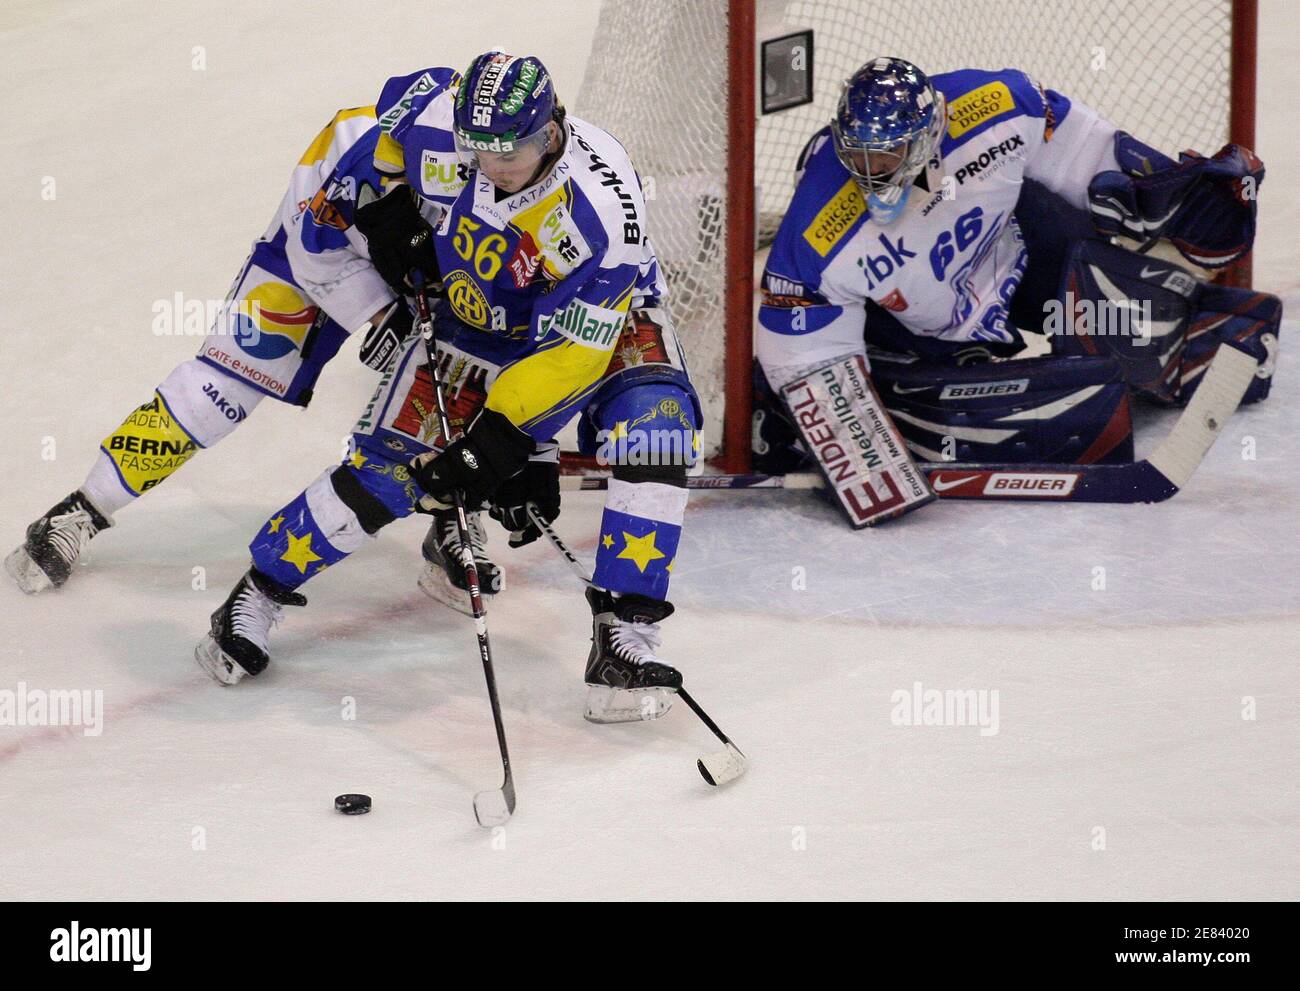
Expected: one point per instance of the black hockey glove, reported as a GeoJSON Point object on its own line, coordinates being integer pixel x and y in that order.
{"type": "Point", "coordinates": [492, 450]}
{"type": "Point", "coordinates": [380, 341]}
{"type": "Point", "coordinates": [399, 238]}
{"type": "Point", "coordinates": [539, 484]}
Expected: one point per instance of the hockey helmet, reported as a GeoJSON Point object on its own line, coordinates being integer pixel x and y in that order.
{"type": "Point", "coordinates": [888, 124]}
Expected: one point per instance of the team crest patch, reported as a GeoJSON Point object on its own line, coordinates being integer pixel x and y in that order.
{"type": "Point", "coordinates": [467, 300]}
{"type": "Point", "coordinates": [895, 301]}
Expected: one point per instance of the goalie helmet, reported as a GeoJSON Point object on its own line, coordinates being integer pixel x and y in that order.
{"type": "Point", "coordinates": [888, 124]}
{"type": "Point", "coordinates": [503, 105]}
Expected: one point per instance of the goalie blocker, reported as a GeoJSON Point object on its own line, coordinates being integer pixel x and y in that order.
{"type": "Point", "coordinates": [857, 448]}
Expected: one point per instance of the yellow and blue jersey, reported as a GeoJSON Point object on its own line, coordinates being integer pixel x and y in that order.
{"type": "Point", "coordinates": [542, 280]}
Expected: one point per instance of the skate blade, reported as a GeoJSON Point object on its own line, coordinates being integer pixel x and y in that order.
{"type": "Point", "coordinates": [436, 585]}
{"type": "Point", "coordinates": [26, 572]}
{"type": "Point", "coordinates": [217, 663]}
{"type": "Point", "coordinates": [626, 705]}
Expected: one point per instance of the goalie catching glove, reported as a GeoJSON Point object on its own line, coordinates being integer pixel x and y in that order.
{"type": "Point", "coordinates": [1205, 207]}
{"type": "Point", "coordinates": [539, 485]}
{"type": "Point", "coordinates": [492, 450]}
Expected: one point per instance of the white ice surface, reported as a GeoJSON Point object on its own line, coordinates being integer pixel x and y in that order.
{"type": "Point", "coordinates": [1120, 709]}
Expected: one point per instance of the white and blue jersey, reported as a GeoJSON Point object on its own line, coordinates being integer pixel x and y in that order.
{"type": "Point", "coordinates": [949, 265]}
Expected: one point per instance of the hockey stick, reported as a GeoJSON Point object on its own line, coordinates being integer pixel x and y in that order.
{"type": "Point", "coordinates": [491, 808]}
{"type": "Point", "coordinates": [717, 768]}
{"type": "Point", "coordinates": [1154, 479]}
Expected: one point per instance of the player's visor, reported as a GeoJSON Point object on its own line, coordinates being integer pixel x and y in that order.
{"type": "Point", "coordinates": [474, 148]}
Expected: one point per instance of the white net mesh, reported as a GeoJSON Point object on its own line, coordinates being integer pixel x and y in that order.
{"type": "Point", "coordinates": [658, 73]}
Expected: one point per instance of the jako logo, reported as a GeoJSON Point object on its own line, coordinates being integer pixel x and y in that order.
{"type": "Point", "coordinates": [231, 411]}
{"type": "Point", "coordinates": [77, 945]}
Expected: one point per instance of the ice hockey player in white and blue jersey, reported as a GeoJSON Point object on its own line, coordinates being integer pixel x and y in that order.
{"type": "Point", "coordinates": [936, 220]}
{"type": "Point", "coordinates": [550, 308]}
{"type": "Point", "coordinates": [271, 338]}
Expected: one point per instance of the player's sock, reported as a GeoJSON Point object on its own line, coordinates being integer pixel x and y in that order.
{"type": "Point", "coordinates": [639, 532]}
{"type": "Point", "coordinates": [194, 408]}
{"type": "Point", "coordinates": [54, 543]}
{"type": "Point", "coordinates": [236, 645]}
{"type": "Point", "coordinates": [627, 680]}
{"type": "Point", "coordinates": [443, 577]}
{"type": "Point", "coordinates": [315, 530]}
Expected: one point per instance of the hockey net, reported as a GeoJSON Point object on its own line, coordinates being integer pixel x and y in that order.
{"type": "Point", "coordinates": [674, 81]}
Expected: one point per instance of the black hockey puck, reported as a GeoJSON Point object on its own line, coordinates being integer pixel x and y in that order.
{"type": "Point", "coordinates": [352, 805]}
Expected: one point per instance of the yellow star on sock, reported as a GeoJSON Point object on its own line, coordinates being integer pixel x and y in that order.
{"type": "Point", "coordinates": [273, 525]}
{"type": "Point", "coordinates": [641, 550]}
{"type": "Point", "coordinates": [300, 553]}
{"type": "Point", "coordinates": [357, 459]}
{"type": "Point", "coordinates": [608, 541]}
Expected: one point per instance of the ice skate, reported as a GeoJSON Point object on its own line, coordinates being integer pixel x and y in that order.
{"type": "Point", "coordinates": [626, 679]}
{"type": "Point", "coordinates": [443, 577]}
{"type": "Point", "coordinates": [236, 645]}
{"type": "Point", "coordinates": [54, 543]}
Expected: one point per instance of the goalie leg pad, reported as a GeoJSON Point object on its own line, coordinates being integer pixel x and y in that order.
{"type": "Point", "coordinates": [1133, 308]}
{"type": "Point", "coordinates": [1028, 411]}
{"type": "Point", "coordinates": [855, 443]}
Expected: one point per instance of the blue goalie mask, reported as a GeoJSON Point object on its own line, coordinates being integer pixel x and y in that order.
{"type": "Point", "coordinates": [888, 124]}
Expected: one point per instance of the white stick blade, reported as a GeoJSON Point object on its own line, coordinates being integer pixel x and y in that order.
{"type": "Point", "coordinates": [491, 809]}
{"type": "Point", "coordinates": [723, 766]}
{"type": "Point", "coordinates": [1220, 391]}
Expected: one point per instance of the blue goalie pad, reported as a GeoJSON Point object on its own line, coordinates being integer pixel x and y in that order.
{"type": "Point", "coordinates": [1206, 207]}
{"type": "Point", "coordinates": [1118, 303]}
{"type": "Point", "coordinates": [1162, 324]}
{"type": "Point", "coordinates": [1251, 320]}
{"type": "Point", "coordinates": [1033, 410]}
{"type": "Point", "coordinates": [1061, 410]}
